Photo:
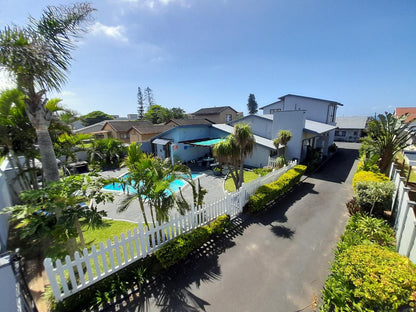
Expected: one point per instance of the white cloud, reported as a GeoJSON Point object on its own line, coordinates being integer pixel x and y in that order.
{"type": "Point", "coordinates": [115, 32]}
{"type": "Point", "coordinates": [6, 81]}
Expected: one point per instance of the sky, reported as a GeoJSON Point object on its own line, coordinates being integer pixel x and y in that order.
{"type": "Point", "coordinates": [203, 53]}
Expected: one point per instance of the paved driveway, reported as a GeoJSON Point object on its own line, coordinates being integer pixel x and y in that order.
{"type": "Point", "coordinates": [275, 261]}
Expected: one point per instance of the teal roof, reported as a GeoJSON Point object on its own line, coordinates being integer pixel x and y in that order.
{"type": "Point", "coordinates": [208, 142]}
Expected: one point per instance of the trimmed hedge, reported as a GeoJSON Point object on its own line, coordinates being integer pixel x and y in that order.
{"type": "Point", "coordinates": [367, 274]}
{"type": "Point", "coordinates": [268, 192]}
{"type": "Point", "coordinates": [180, 247]}
{"type": "Point", "coordinates": [368, 176]}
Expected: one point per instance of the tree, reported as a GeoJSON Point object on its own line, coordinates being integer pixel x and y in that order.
{"type": "Point", "coordinates": [150, 177]}
{"type": "Point", "coordinates": [387, 135]}
{"type": "Point", "coordinates": [283, 137]}
{"type": "Point", "coordinates": [252, 104]}
{"type": "Point", "coordinates": [94, 117]}
{"type": "Point", "coordinates": [157, 114]}
{"type": "Point", "coordinates": [140, 103]}
{"type": "Point", "coordinates": [38, 56]}
{"type": "Point", "coordinates": [234, 150]}
{"type": "Point", "coordinates": [37, 217]}
{"type": "Point", "coordinates": [148, 94]}
{"type": "Point", "coordinates": [178, 113]}
{"type": "Point", "coordinates": [107, 153]}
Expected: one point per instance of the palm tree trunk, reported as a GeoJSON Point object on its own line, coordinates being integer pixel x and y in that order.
{"type": "Point", "coordinates": [80, 234]}
{"type": "Point", "coordinates": [241, 173]}
{"type": "Point", "coordinates": [47, 154]}
{"type": "Point", "coordinates": [141, 204]}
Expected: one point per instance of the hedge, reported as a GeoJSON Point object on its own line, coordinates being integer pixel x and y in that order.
{"type": "Point", "coordinates": [268, 192]}
{"type": "Point", "coordinates": [180, 247]}
{"type": "Point", "coordinates": [368, 176]}
{"type": "Point", "coordinates": [367, 274]}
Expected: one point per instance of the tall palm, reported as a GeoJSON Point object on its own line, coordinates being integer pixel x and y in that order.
{"type": "Point", "coordinates": [387, 135]}
{"type": "Point", "coordinates": [107, 153]}
{"type": "Point", "coordinates": [234, 150]}
{"type": "Point", "coordinates": [38, 55]}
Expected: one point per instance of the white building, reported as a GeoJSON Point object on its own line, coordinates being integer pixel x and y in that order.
{"type": "Point", "coordinates": [350, 129]}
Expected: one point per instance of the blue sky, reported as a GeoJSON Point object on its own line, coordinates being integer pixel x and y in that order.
{"type": "Point", "coordinates": [203, 53]}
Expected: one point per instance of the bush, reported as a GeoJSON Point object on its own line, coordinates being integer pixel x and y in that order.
{"type": "Point", "coordinates": [180, 247]}
{"type": "Point", "coordinates": [353, 207]}
{"type": "Point", "coordinates": [263, 171]}
{"type": "Point", "coordinates": [268, 192]}
{"type": "Point", "coordinates": [374, 197]}
{"type": "Point", "coordinates": [370, 278]}
{"type": "Point", "coordinates": [368, 176]}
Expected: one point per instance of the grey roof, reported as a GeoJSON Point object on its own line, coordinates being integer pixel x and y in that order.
{"type": "Point", "coordinates": [411, 156]}
{"type": "Point", "coordinates": [259, 140]}
{"type": "Point", "coordinates": [125, 125]}
{"type": "Point", "coordinates": [183, 122]}
{"type": "Point", "coordinates": [352, 122]}
{"type": "Point", "coordinates": [92, 128]}
{"type": "Point", "coordinates": [149, 129]}
{"type": "Point", "coordinates": [212, 110]}
{"type": "Point", "coordinates": [317, 127]}
{"type": "Point", "coordinates": [305, 97]}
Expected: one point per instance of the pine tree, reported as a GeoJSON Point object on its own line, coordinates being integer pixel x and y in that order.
{"type": "Point", "coordinates": [252, 104]}
{"type": "Point", "coordinates": [148, 93]}
{"type": "Point", "coordinates": [140, 102]}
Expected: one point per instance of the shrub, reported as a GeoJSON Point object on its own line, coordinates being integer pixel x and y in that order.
{"type": "Point", "coordinates": [263, 171]}
{"type": "Point", "coordinates": [180, 247]}
{"type": "Point", "coordinates": [268, 192]}
{"type": "Point", "coordinates": [368, 176]}
{"type": "Point", "coordinates": [374, 197]}
{"type": "Point", "coordinates": [353, 207]}
{"type": "Point", "coordinates": [370, 278]}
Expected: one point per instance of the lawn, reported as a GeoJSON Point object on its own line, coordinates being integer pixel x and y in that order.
{"type": "Point", "coordinates": [399, 160]}
{"type": "Point", "coordinates": [248, 176]}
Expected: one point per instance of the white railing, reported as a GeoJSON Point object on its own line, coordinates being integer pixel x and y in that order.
{"type": "Point", "coordinates": [91, 266]}
{"type": "Point", "coordinates": [405, 212]}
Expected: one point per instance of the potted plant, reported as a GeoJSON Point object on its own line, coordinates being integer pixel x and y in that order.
{"type": "Point", "coordinates": [217, 171]}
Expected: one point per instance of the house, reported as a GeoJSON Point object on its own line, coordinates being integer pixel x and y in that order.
{"type": "Point", "coordinates": [193, 143]}
{"type": "Point", "coordinates": [222, 114]}
{"type": "Point", "coordinates": [185, 122]}
{"type": "Point", "coordinates": [400, 111]}
{"type": "Point", "coordinates": [310, 120]}
{"type": "Point", "coordinates": [143, 132]}
{"type": "Point", "coordinates": [350, 129]}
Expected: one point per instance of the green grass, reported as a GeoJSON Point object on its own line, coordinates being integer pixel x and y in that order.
{"type": "Point", "coordinates": [248, 176]}
{"type": "Point", "coordinates": [400, 159]}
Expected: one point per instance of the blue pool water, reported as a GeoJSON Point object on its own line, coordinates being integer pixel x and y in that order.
{"type": "Point", "coordinates": [174, 186]}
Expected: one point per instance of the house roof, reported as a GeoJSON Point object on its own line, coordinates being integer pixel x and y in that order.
{"type": "Point", "coordinates": [146, 129]}
{"type": "Point", "coordinates": [352, 122]}
{"type": "Point", "coordinates": [183, 122]}
{"type": "Point", "coordinates": [125, 125]}
{"type": "Point", "coordinates": [400, 111]}
{"type": "Point", "coordinates": [315, 127]}
{"type": "Point", "coordinates": [212, 110]}
{"type": "Point", "coordinates": [282, 98]}
{"type": "Point", "coordinates": [259, 140]}
{"type": "Point", "coordinates": [92, 128]}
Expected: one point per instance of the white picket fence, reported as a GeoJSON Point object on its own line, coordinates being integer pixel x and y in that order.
{"type": "Point", "coordinates": [405, 212]}
{"type": "Point", "coordinates": [91, 266]}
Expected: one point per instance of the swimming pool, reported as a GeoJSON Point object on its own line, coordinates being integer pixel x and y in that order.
{"type": "Point", "coordinates": [174, 186]}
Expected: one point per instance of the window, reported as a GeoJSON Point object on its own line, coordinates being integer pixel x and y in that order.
{"type": "Point", "coordinates": [355, 132]}
{"type": "Point", "coordinates": [336, 132]}
{"type": "Point", "coordinates": [331, 113]}
{"type": "Point", "coordinates": [273, 110]}
{"type": "Point", "coordinates": [228, 117]}
{"type": "Point", "coordinates": [124, 135]}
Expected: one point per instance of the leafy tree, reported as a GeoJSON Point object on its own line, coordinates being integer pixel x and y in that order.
{"type": "Point", "coordinates": [140, 103]}
{"type": "Point", "coordinates": [107, 153]}
{"type": "Point", "coordinates": [387, 135]}
{"type": "Point", "coordinates": [178, 113]}
{"type": "Point", "coordinates": [234, 150]}
{"type": "Point", "coordinates": [148, 94]}
{"type": "Point", "coordinates": [283, 137]}
{"type": "Point", "coordinates": [68, 144]}
{"type": "Point", "coordinates": [38, 56]}
{"type": "Point", "coordinates": [252, 104]}
{"type": "Point", "coordinates": [37, 216]}
{"type": "Point", "coordinates": [157, 114]}
{"type": "Point", "coordinates": [94, 117]}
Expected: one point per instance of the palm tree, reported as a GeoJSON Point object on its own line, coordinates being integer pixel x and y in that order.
{"type": "Point", "coordinates": [234, 150]}
{"type": "Point", "coordinates": [107, 153]}
{"type": "Point", "coordinates": [387, 135]}
{"type": "Point", "coordinates": [283, 137]}
{"type": "Point", "coordinates": [38, 56]}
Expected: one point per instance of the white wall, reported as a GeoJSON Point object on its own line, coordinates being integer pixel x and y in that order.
{"type": "Point", "coordinates": [5, 201]}
{"type": "Point", "coordinates": [260, 126]}
{"type": "Point", "coordinates": [294, 121]}
{"type": "Point", "coordinates": [260, 157]}
{"type": "Point", "coordinates": [8, 286]}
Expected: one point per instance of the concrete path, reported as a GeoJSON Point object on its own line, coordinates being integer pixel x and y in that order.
{"type": "Point", "coordinates": [274, 261]}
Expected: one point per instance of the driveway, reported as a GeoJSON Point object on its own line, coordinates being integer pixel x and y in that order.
{"type": "Point", "coordinates": [274, 261]}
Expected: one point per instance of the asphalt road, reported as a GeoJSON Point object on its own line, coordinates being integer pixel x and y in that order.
{"type": "Point", "coordinates": [274, 261]}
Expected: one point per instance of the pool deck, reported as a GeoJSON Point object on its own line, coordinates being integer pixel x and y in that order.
{"type": "Point", "coordinates": [213, 184]}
